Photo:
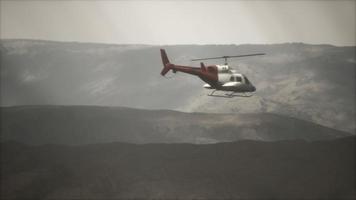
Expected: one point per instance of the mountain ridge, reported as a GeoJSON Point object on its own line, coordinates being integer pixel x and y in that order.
{"type": "Point", "coordinates": [167, 45]}
{"type": "Point", "coordinates": [311, 82]}
{"type": "Point", "coordinates": [97, 124]}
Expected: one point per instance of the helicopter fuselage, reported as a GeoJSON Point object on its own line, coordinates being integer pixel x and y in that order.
{"type": "Point", "coordinates": [218, 77]}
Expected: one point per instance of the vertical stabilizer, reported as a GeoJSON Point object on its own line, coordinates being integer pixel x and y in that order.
{"type": "Point", "coordinates": [166, 63]}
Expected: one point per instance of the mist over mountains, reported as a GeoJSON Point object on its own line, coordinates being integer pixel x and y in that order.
{"type": "Point", "coordinates": [76, 125]}
{"type": "Point", "coordinates": [310, 82]}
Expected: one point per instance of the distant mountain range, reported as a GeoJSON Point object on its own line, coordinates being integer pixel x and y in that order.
{"type": "Point", "coordinates": [310, 82]}
{"type": "Point", "coordinates": [91, 124]}
{"type": "Point", "coordinates": [237, 170]}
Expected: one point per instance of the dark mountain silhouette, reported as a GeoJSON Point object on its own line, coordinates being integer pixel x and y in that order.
{"type": "Point", "coordinates": [91, 124]}
{"type": "Point", "coordinates": [237, 170]}
{"type": "Point", "coordinates": [311, 82]}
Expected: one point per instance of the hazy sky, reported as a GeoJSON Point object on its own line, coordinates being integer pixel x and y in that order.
{"type": "Point", "coordinates": [181, 22]}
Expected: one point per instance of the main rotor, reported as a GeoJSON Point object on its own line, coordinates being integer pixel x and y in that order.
{"type": "Point", "coordinates": [226, 57]}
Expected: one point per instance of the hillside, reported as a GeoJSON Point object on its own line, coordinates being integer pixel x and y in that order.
{"type": "Point", "coordinates": [93, 124]}
{"type": "Point", "coordinates": [237, 170]}
{"type": "Point", "coordinates": [311, 82]}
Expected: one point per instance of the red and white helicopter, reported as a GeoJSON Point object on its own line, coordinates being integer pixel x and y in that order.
{"type": "Point", "coordinates": [216, 77]}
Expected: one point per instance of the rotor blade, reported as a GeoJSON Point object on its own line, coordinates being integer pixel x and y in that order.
{"type": "Point", "coordinates": [245, 55]}
{"type": "Point", "coordinates": [207, 58]}
{"type": "Point", "coordinates": [255, 54]}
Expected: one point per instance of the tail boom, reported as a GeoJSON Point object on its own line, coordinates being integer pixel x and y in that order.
{"type": "Point", "coordinates": [209, 76]}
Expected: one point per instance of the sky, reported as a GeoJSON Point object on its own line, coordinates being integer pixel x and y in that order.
{"type": "Point", "coordinates": [181, 22]}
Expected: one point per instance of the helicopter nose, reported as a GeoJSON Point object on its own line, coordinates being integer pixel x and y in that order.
{"type": "Point", "coordinates": [253, 88]}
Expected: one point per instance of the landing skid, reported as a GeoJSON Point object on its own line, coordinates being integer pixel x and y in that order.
{"type": "Point", "coordinates": [231, 94]}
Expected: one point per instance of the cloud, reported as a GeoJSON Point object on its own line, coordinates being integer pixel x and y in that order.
{"type": "Point", "coordinates": [176, 22]}
{"type": "Point", "coordinates": [101, 87]}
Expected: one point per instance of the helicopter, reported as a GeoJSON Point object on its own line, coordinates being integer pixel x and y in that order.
{"type": "Point", "coordinates": [216, 77]}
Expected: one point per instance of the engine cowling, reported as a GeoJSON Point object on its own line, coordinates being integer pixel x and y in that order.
{"type": "Point", "coordinates": [223, 68]}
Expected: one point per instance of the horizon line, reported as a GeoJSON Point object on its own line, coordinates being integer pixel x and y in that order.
{"type": "Point", "coordinates": [186, 44]}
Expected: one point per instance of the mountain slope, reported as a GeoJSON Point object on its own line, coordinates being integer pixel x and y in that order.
{"type": "Point", "coordinates": [92, 124]}
{"type": "Point", "coordinates": [310, 82]}
{"type": "Point", "coordinates": [238, 170]}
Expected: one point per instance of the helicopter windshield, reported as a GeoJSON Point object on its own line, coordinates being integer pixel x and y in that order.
{"type": "Point", "coordinates": [235, 79]}
{"type": "Point", "coordinates": [246, 80]}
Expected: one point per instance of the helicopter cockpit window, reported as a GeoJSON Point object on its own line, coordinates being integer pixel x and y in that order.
{"type": "Point", "coordinates": [235, 79]}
